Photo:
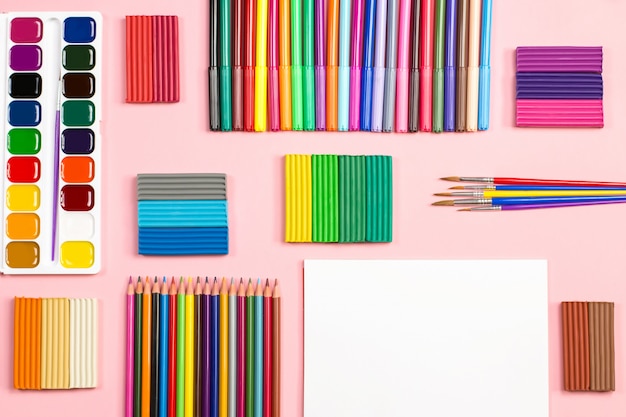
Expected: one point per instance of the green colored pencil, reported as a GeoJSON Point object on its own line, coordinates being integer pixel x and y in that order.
{"type": "Point", "coordinates": [439, 54]}
{"type": "Point", "coordinates": [250, 350]}
{"type": "Point", "coordinates": [180, 351]}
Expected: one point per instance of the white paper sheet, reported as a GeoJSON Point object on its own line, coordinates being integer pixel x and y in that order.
{"type": "Point", "coordinates": [432, 338]}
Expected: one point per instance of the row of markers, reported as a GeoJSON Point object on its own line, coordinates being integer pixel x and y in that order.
{"type": "Point", "coordinates": [349, 65]}
{"type": "Point", "coordinates": [204, 347]}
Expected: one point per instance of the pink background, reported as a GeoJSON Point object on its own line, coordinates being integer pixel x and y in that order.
{"type": "Point", "coordinates": [584, 246]}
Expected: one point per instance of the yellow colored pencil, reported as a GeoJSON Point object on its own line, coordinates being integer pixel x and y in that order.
{"type": "Point", "coordinates": [535, 193]}
{"type": "Point", "coordinates": [223, 407]}
{"type": "Point", "coordinates": [189, 345]}
{"type": "Point", "coordinates": [145, 347]}
{"type": "Point", "coordinates": [260, 72]}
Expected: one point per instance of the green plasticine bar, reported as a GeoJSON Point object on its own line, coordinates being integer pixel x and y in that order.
{"type": "Point", "coordinates": [352, 199]}
{"type": "Point", "coordinates": [325, 198]}
{"type": "Point", "coordinates": [379, 198]}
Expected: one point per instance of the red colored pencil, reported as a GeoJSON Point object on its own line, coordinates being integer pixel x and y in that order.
{"type": "Point", "coordinates": [241, 350]}
{"type": "Point", "coordinates": [248, 65]}
{"type": "Point", "coordinates": [171, 383]}
{"type": "Point", "coordinates": [267, 350]}
{"type": "Point", "coordinates": [530, 181]}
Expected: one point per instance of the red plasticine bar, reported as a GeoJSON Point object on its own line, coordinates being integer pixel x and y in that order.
{"type": "Point", "coordinates": [152, 74]}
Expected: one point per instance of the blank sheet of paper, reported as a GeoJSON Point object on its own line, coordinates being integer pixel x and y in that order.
{"type": "Point", "coordinates": [432, 338]}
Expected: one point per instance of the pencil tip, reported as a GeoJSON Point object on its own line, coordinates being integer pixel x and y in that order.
{"type": "Point", "coordinates": [198, 280]}
{"type": "Point", "coordinates": [455, 179]}
{"type": "Point", "coordinates": [267, 282]}
{"type": "Point", "coordinates": [240, 281]}
{"type": "Point", "coordinates": [206, 280]}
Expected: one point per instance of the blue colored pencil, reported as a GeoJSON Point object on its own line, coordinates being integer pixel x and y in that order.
{"type": "Point", "coordinates": [449, 86]}
{"type": "Point", "coordinates": [485, 68]}
{"type": "Point", "coordinates": [258, 350]}
{"type": "Point", "coordinates": [367, 79]}
{"type": "Point", "coordinates": [214, 348]}
{"type": "Point", "coordinates": [164, 350]}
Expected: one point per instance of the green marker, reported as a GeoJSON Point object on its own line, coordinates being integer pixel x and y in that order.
{"type": "Point", "coordinates": [309, 71]}
{"type": "Point", "coordinates": [438, 78]}
{"type": "Point", "coordinates": [296, 65]}
{"type": "Point", "coordinates": [226, 81]}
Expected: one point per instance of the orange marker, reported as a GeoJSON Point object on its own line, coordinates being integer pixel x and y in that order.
{"type": "Point", "coordinates": [332, 62]}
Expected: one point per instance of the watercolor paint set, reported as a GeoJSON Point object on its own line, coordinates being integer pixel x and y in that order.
{"type": "Point", "coordinates": [51, 93]}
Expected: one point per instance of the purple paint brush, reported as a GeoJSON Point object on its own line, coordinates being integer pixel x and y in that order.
{"type": "Point", "coordinates": [57, 151]}
{"type": "Point", "coordinates": [538, 206]}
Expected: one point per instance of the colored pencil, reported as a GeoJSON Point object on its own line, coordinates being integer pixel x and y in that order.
{"type": "Point", "coordinates": [473, 47]}
{"type": "Point", "coordinates": [484, 81]}
{"type": "Point", "coordinates": [258, 350]}
{"type": "Point", "coordinates": [164, 324]}
{"type": "Point", "coordinates": [172, 353]}
{"type": "Point", "coordinates": [534, 193]}
{"type": "Point", "coordinates": [215, 348]}
{"type": "Point", "coordinates": [250, 354]}
{"type": "Point", "coordinates": [181, 330]}
{"type": "Point", "coordinates": [461, 62]}
{"type": "Point", "coordinates": [273, 80]}
{"type": "Point", "coordinates": [356, 56]}
{"type": "Point", "coordinates": [238, 65]}
{"type": "Point", "coordinates": [507, 201]}
{"type": "Point", "coordinates": [439, 61]}
{"type": "Point", "coordinates": [427, 32]}
{"type": "Point", "coordinates": [260, 69]}
{"type": "Point", "coordinates": [197, 353]}
{"type": "Point", "coordinates": [249, 65]}
{"type": "Point", "coordinates": [320, 65]}
{"type": "Point", "coordinates": [214, 84]}
{"type": "Point", "coordinates": [267, 350]}
{"type": "Point", "coordinates": [206, 347]}
{"type": "Point", "coordinates": [189, 348]}
{"type": "Point", "coordinates": [223, 324]}
{"type": "Point", "coordinates": [226, 93]}
{"type": "Point", "coordinates": [378, 90]}
{"type": "Point", "coordinates": [156, 347]}
{"type": "Point", "coordinates": [284, 70]}
{"type": "Point", "coordinates": [308, 68]}
{"type": "Point", "coordinates": [449, 102]}
{"type": "Point", "coordinates": [414, 87]}
{"type": "Point", "coordinates": [389, 99]}
{"type": "Point", "coordinates": [345, 8]}
{"type": "Point", "coordinates": [402, 96]}
{"type": "Point", "coordinates": [138, 349]}
{"type": "Point", "coordinates": [130, 347]}
{"type": "Point", "coordinates": [332, 62]}
{"type": "Point", "coordinates": [533, 181]}
{"type": "Point", "coordinates": [241, 350]}
{"type": "Point", "coordinates": [232, 350]}
{"type": "Point", "coordinates": [296, 67]}
{"type": "Point", "coordinates": [276, 350]}
{"type": "Point", "coordinates": [534, 206]}
{"type": "Point", "coordinates": [367, 80]}
{"type": "Point", "coordinates": [146, 350]}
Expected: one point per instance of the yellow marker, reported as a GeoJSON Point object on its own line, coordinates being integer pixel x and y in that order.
{"type": "Point", "coordinates": [189, 344]}
{"type": "Point", "coordinates": [77, 254]}
{"type": "Point", "coordinates": [260, 72]}
{"type": "Point", "coordinates": [223, 398]}
{"type": "Point", "coordinates": [23, 197]}
{"type": "Point", "coordinates": [298, 198]}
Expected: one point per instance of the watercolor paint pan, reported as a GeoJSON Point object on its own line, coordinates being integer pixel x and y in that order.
{"type": "Point", "coordinates": [51, 91]}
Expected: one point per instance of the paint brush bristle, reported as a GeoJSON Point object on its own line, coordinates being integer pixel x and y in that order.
{"type": "Point", "coordinates": [454, 179]}
{"type": "Point", "coordinates": [444, 203]}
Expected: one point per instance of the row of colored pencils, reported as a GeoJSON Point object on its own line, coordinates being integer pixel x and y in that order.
{"type": "Point", "coordinates": [349, 65]}
{"type": "Point", "coordinates": [503, 194]}
{"type": "Point", "coordinates": [205, 348]}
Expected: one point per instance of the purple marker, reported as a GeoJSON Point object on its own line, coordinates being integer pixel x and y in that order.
{"type": "Point", "coordinates": [449, 76]}
{"type": "Point", "coordinates": [320, 65]}
{"type": "Point", "coordinates": [379, 66]}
